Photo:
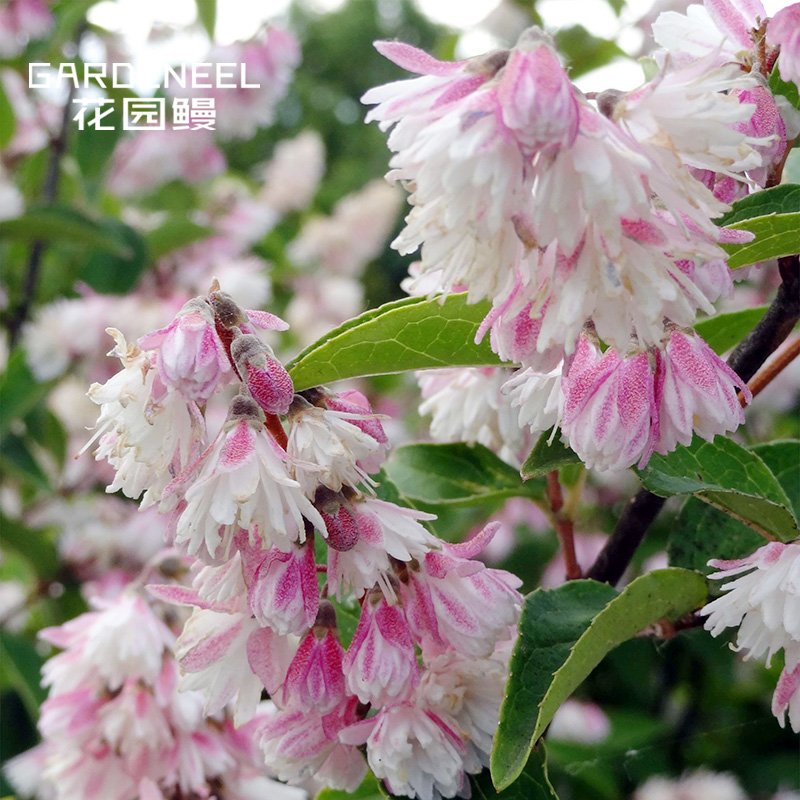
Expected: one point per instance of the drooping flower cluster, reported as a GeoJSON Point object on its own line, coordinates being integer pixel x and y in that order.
{"type": "Point", "coordinates": [115, 726]}
{"type": "Point", "coordinates": [584, 221]}
{"type": "Point", "coordinates": [763, 601]}
{"type": "Point", "coordinates": [291, 541]}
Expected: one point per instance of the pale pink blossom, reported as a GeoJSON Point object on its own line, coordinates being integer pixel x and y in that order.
{"type": "Point", "coordinates": [696, 392]}
{"type": "Point", "coordinates": [328, 449]}
{"type": "Point", "coordinates": [700, 785]}
{"type": "Point", "coordinates": [191, 357]}
{"type": "Point", "coordinates": [784, 31]}
{"type": "Point", "coordinates": [321, 303]}
{"type": "Point", "coordinates": [456, 603]}
{"type": "Point", "coordinates": [314, 679]}
{"type": "Point", "coordinates": [786, 699]}
{"type": "Point", "coordinates": [610, 414]}
{"type": "Point", "coordinates": [762, 600]}
{"type": "Point", "coordinates": [292, 175]}
{"type": "Point", "coordinates": [579, 721]}
{"type": "Point", "coordinates": [415, 751]}
{"type": "Point", "coordinates": [380, 665]}
{"type": "Point", "coordinates": [266, 378]}
{"type": "Point", "coordinates": [242, 480]}
{"type": "Point", "coordinates": [151, 158]}
{"type": "Point", "coordinates": [21, 21]}
{"type": "Point", "coordinates": [356, 404]}
{"type": "Point", "coordinates": [298, 745]}
{"type": "Point", "coordinates": [283, 593]}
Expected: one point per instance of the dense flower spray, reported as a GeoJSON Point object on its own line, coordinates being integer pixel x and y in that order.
{"type": "Point", "coordinates": [279, 508]}
{"type": "Point", "coordinates": [585, 221]}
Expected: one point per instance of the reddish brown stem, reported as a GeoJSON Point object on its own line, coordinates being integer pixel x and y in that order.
{"type": "Point", "coordinates": [564, 526]}
{"type": "Point", "coordinates": [773, 368]}
{"type": "Point", "coordinates": [274, 426]}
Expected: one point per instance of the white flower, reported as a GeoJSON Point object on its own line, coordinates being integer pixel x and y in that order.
{"type": "Point", "coordinates": [576, 721]}
{"type": "Point", "coordinates": [764, 600]}
{"type": "Point", "coordinates": [294, 172]}
{"type": "Point", "coordinates": [326, 448]}
{"type": "Point", "coordinates": [538, 397]}
{"type": "Point", "coordinates": [700, 785]}
{"type": "Point", "coordinates": [213, 653]}
{"type": "Point", "coordinates": [243, 481]}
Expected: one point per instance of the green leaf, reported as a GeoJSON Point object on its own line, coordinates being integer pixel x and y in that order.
{"type": "Point", "coordinates": [21, 392]}
{"type": "Point", "coordinates": [701, 532]}
{"type": "Point", "coordinates": [207, 14]}
{"type": "Point", "coordinates": [663, 593]}
{"type": "Point", "coordinates": [409, 334]}
{"type": "Point", "coordinates": [547, 456]}
{"type": "Point", "coordinates": [564, 634]}
{"type": "Point", "coordinates": [783, 199]}
{"type": "Point", "coordinates": [109, 273]}
{"type": "Point", "coordinates": [20, 665]}
{"type": "Point", "coordinates": [786, 89]}
{"type": "Point", "coordinates": [776, 236]}
{"type": "Point", "coordinates": [8, 123]}
{"type": "Point", "coordinates": [59, 223]}
{"type": "Point", "coordinates": [370, 789]}
{"type": "Point", "coordinates": [455, 474]}
{"type": "Point", "coordinates": [16, 456]}
{"type": "Point", "coordinates": [176, 232]}
{"type": "Point", "coordinates": [584, 51]}
{"type": "Point", "coordinates": [725, 331]}
{"type": "Point", "coordinates": [45, 428]}
{"type": "Point", "coordinates": [532, 784]}
{"type": "Point", "coordinates": [783, 459]}
{"type": "Point", "coordinates": [550, 625]}
{"type": "Point", "coordinates": [32, 544]}
{"type": "Point", "coordinates": [727, 476]}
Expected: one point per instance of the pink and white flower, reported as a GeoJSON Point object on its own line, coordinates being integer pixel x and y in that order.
{"type": "Point", "coordinates": [380, 665]}
{"type": "Point", "coordinates": [415, 751]}
{"type": "Point", "coordinates": [327, 448]}
{"type": "Point", "coordinates": [242, 480]}
{"type": "Point", "coordinates": [191, 357]}
{"type": "Point", "coordinates": [784, 31]}
{"type": "Point", "coordinates": [696, 392]}
{"type": "Point", "coordinates": [762, 600]}
{"type": "Point", "coordinates": [283, 593]}
{"type": "Point", "coordinates": [610, 414]}
{"type": "Point", "coordinates": [20, 21]}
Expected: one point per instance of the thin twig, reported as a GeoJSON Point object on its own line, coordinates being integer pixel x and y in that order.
{"type": "Point", "coordinates": [770, 332]}
{"type": "Point", "coordinates": [564, 526]}
{"type": "Point", "coordinates": [58, 146]}
{"type": "Point", "coordinates": [784, 356]}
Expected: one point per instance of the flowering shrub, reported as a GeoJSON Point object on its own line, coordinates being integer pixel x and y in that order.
{"type": "Point", "coordinates": [300, 587]}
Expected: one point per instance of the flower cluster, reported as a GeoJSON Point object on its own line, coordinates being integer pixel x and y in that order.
{"type": "Point", "coordinates": [587, 220]}
{"type": "Point", "coordinates": [279, 508]}
{"type": "Point", "coordinates": [115, 726]}
{"type": "Point", "coordinates": [763, 601]}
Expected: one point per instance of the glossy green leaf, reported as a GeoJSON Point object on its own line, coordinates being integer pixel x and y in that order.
{"type": "Point", "coordinates": [173, 234]}
{"type": "Point", "coordinates": [109, 273]}
{"type": "Point", "coordinates": [58, 223]}
{"type": "Point", "coordinates": [20, 665]}
{"type": "Point", "coordinates": [455, 474]}
{"type": "Point", "coordinates": [533, 782]}
{"type": "Point", "coordinates": [776, 235]}
{"type": "Point", "coordinates": [547, 456]}
{"type": "Point", "coordinates": [783, 459]}
{"type": "Point", "coordinates": [564, 634]}
{"type": "Point", "coordinates": [409, 334]}
{"type": "Point", "coordinates": [727, 476]}
{"type": "Point", "coordinates": [207, 14]}
{"type": "Point", "coordinates": [550, 625]}
{"type": "Point", "coordinates": [783, 199]}
{"type": "Point", "coordinates": [782, 88]}
{"type": "Point", "coordinates": [663, 593]}
{"type": "Point", "coordinates": [701, 532]}
{"type": "Point", "coordinates": [725, 331]}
